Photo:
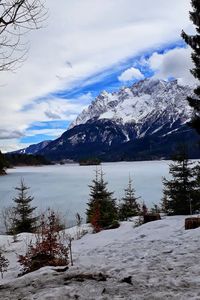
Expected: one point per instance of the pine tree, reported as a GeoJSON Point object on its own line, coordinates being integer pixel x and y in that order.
{"type": "Point", "coordinates": [179, 190]}
{"type": "Point", "coordinates": [3, 164]}
{"type": "Point", "coordinates": [129, 206]}
{"type": "Point", "coordinates": [102, 211]}
{"type": "Point", "coordinates": [196, 193]}
{"type": "Point", "coordinates": [194, 42]}
{"type": "Point", "coordinates": [24, 220]}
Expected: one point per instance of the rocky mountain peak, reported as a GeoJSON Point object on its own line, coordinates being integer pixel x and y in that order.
{"type": "Point", "coordinates": [149, 97]}
{"type": "Point", "coordinates": [144, 121]}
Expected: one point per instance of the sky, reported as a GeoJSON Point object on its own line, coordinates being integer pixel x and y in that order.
{"type": "Point", "coordinates": [83, 48]}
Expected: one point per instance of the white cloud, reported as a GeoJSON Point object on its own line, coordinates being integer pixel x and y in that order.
{"type": "Point", "coordinates": [131, 74]}
{"type": "Point", "coordinates": [12, 145]}
{"type": "Point", "coordinates": [55, 133]}
{"type": "Point", "coordinates": [9, 134]}
{"type": "Point", "coordinates": [174, 63]}
{"type": "Point", "coordinates": [83, 38]}
{"type": "Point", "coordinates": [46, 110]}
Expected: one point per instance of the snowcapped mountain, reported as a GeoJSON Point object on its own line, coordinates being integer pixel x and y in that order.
{"type": "Point", "coordinates": [145, 121]}
{"type": "Point", "coordinates": [148, 102]}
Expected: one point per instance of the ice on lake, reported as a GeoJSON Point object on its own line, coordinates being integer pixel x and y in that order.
{"type": "Point", "coordinates": [65, 187]}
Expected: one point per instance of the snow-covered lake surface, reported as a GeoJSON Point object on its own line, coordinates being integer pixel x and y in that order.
{"type": "Point", "coordinates": [65, 187]}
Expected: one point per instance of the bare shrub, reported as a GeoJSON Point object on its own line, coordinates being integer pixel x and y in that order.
{"type": "Point", "coordinates": [80, 232]}
{"type": "Point", "coordinates": [48, 249]}
{"type": "Point", "coordinates": [4, 263]}
{"type": "Point", "coordinates": [8, 217]}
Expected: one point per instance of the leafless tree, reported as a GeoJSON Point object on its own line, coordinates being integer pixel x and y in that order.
{"type": "Point", "coordinates": [8, 215]}
{"type": "Point", "coordinates": [4, 263]}
{"type": "Point", "coordinates": [17, 17]}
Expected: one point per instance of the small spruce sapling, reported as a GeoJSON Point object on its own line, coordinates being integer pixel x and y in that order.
{"type": "Point", "coordinates": [129, 206]}
{"type": "Point", "coordinates": [102, 210]}
{"type": "Point", "coordinates": [24, 220]}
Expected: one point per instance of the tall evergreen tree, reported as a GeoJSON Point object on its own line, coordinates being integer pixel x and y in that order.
{"type": "Point", "coordinates": [194, 42]}
{"type": "Point", "coordinates": [196, 192]}
{"type": "Point", "coordinates": [24, 220]}
{"type": "Point", "coordinates": [102, 210]}
{"type": "Point", "coordinates": [178, 192]}
{"type": "Point", "coordinates": [129, 206]}
{"type": "Point", "coordinates": [3, 164]}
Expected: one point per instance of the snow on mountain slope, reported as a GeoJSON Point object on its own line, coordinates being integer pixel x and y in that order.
{"type": "Point", "coordinates": [160, 259]}
{"type": "Point", "coordinates": [145, 121]}
{"type": "Point", "coordinates": [144, 102]}
{"type": "Point", "coordinates": [33, 149]}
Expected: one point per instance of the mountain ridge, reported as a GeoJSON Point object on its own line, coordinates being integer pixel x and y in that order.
{"type": "Point", "coordinates": [34, 148]}
{"type": "Point", "coordinates": [124, 125]}
{"type": "Point", "coordinates": [133, 104]}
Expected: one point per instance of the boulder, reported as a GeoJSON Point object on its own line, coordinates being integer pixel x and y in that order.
{"type": "Point", "coordinates": [149, 217]}
{"type": "Point", "coordinates": [192, 223]}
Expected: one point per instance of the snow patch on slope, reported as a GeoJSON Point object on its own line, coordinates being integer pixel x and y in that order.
{"type": "Point", "coordinates": [145, 99]}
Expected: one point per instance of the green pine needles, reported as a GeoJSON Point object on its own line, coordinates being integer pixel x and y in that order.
{"type": "Point", "coordinates": [102, 209]}
{"type": "Point", "coordinates": [3, 164]}
{"type": "Point", "coordinates": [194, 42]}
{"type": "Point", "coordinates": [24, 220]}
{"type": "Point", "coordinates": [181, 193]}
{"type": "Point", "coordinates": [128, 206]}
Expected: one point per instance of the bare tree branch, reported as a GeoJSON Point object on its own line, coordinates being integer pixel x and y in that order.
{"type": "Point", "coordinates": [17, 17]}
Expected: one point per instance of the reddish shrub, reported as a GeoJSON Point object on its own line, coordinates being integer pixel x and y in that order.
{"type": "Point", "coordinates": [48, 250]}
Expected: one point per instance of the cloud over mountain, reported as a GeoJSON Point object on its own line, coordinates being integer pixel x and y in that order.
{"type": "Point", "coordinates": [174, 63]}
{"type": "Point", "coordinates": [131, 74]}
{"type": "Point", "coordinates": [81, 40]}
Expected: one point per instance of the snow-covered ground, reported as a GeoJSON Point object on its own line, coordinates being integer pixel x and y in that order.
{"type": "Point", "coordinates": [160, 260]}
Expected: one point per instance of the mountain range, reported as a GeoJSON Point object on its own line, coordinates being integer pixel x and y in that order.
{"type": "Point", "coordinates": [147, 120]}
{"type": "Point", "coordinates": [33, 149]}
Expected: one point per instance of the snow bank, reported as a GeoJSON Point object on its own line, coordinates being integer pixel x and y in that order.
{"type": "Point", "coordinates": [158, 260]}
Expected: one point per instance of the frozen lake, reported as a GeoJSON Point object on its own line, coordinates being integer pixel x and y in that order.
{"type": "Point", "coordinates": [65, 187]}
